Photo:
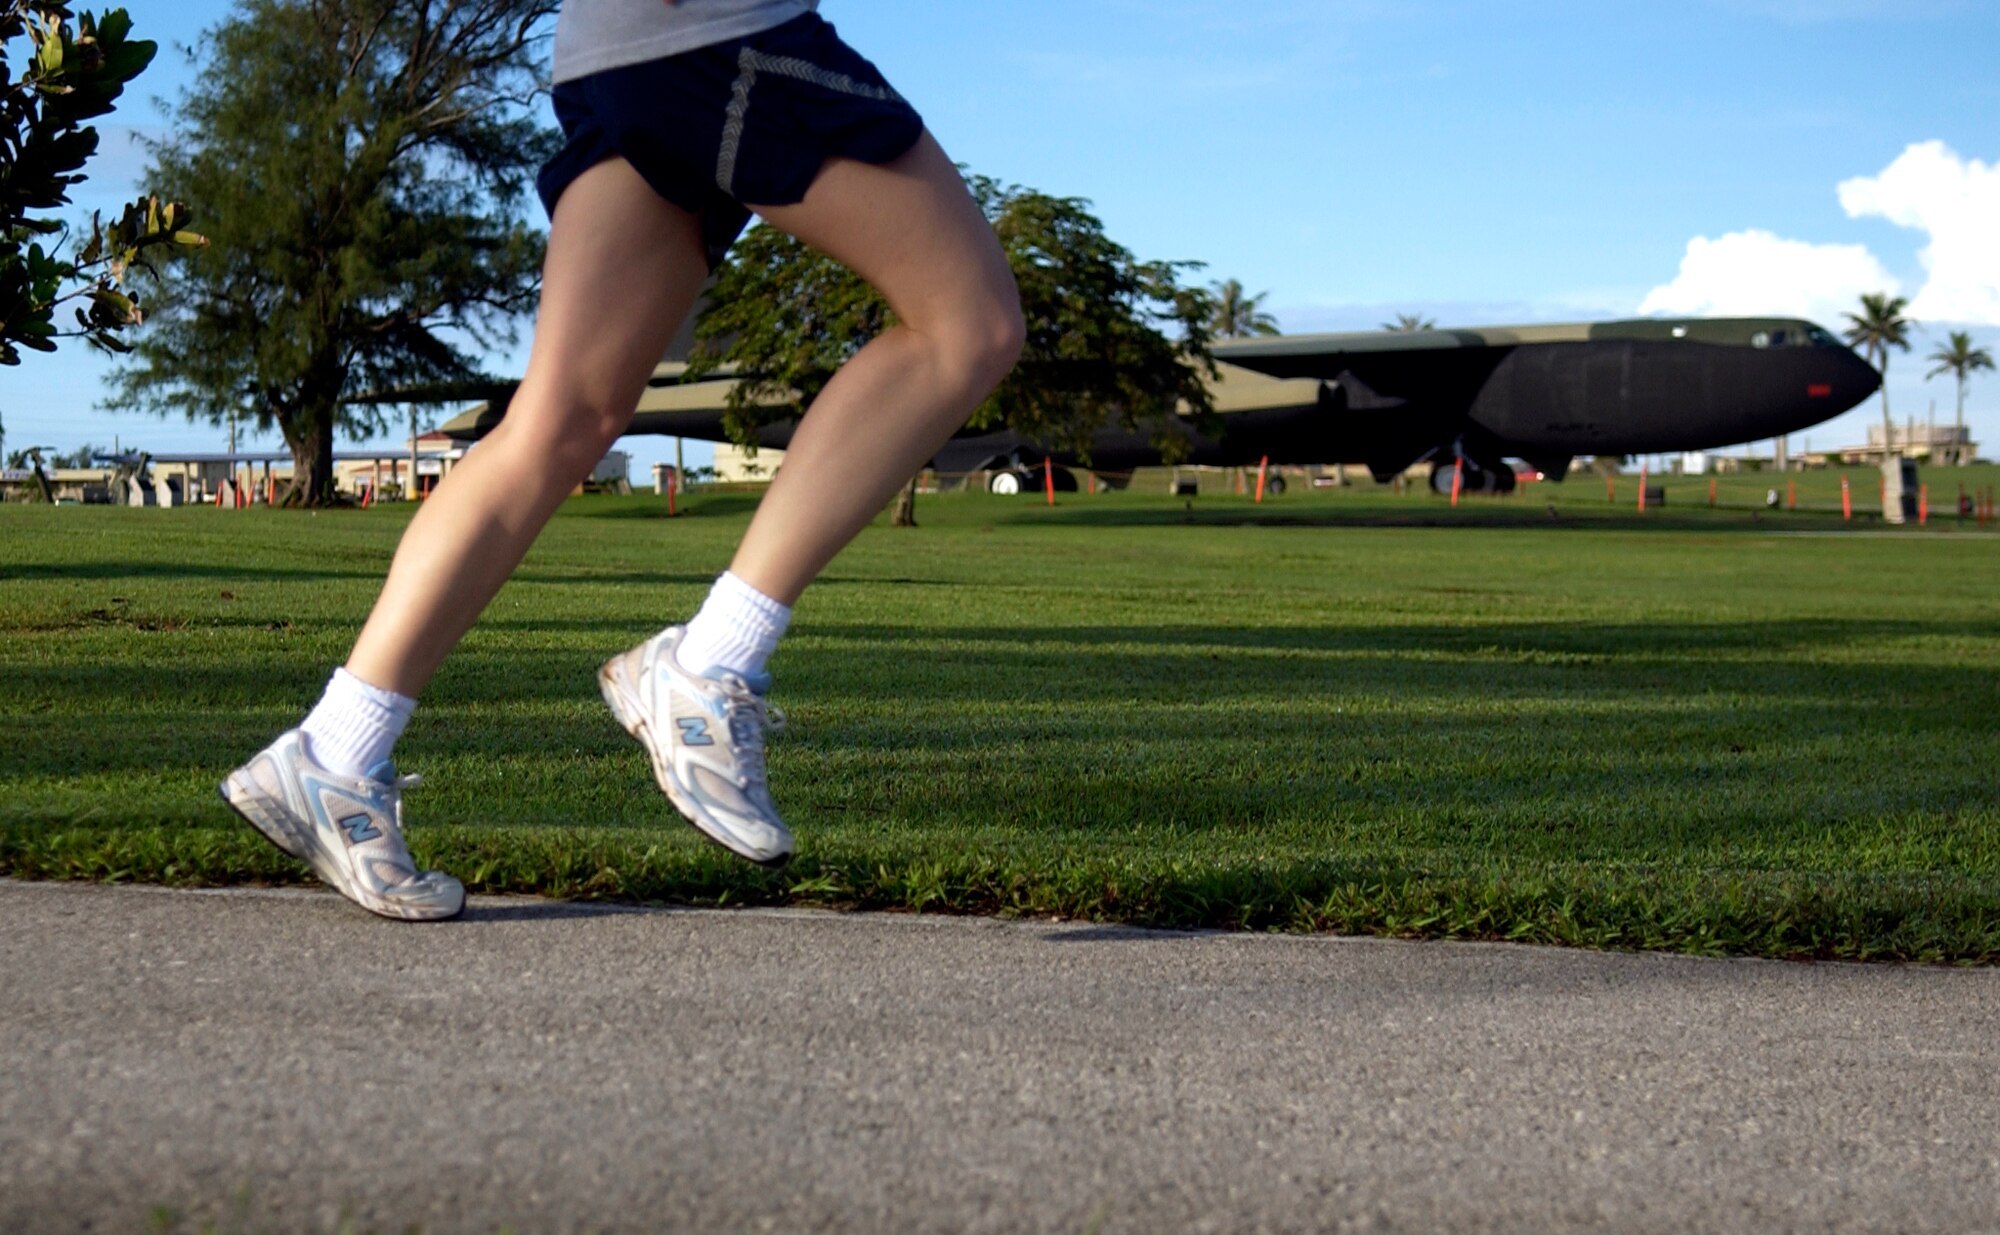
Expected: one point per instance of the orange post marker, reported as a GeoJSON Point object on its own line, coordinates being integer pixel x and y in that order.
{"type": "Point", "coordinates": [1457, 478]}
{"type": "Point", "coordinates": [270, 490]}
{"type": "Point", "coordinates": [1846, 501]}
{"type": "Point", "coordinates": [1711, 492]}
{"type": "Point", "coordinates": [1049, 479]}
{"type": "Point", "coordinates": [1239, 482]}
{"type": "Point", "coordinates": [673, 487]}
{"type": "Point", "coordinates": [1923, 505]}
{"type": "Point", "coordinates": [1791, 495]}
{"type": "Point", "coordinates": [1642, 488]}
{"type": "Point", "coordinates": [1610, 489]}
{"type": "Point", "coordinates": [1262, 465]}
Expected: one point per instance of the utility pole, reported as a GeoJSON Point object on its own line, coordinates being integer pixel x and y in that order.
{"type": "Point", "coordinates": [680, 470]}
{"type": "Point", "coordinates": [410, 494]}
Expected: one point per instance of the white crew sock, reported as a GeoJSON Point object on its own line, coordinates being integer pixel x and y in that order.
{"type": "Point", "coordinates": [355, 725]}
{"type": "Point", "coordinates": [737, 629]}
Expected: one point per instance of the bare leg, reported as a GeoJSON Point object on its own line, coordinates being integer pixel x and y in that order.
{"type": "Point", "coordinates": [913, 232]}
{"type": "Point", "coordinates": [623, 270]}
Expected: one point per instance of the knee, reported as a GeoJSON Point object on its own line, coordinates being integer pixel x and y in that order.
{"type": "Point", "coordinates": [568, 428]}
{"type": "Point", "coordinates": [987, 340]}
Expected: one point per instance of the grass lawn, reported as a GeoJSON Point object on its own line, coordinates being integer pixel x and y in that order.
{"type": "Point", "coordinates": [1694, 730]}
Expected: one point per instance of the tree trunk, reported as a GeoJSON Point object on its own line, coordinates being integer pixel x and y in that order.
{"type": "Point", "coordinates": [906, 505]}
{"type": "Point", "coordinates": [1888, 425]}
{"type": "Point", "coordinates": [1958, 436]}
{"type": "Point", "coordinates": [310, 435]}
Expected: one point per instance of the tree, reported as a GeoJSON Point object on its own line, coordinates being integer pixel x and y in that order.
{"type": "Point", "coordinates": [1878, 327]}
{"type": "Point", "coordinates": [1410, 323]}
{"type": "Point", "coordinates": [1238, 316]}
{"type": "Point", "coordinates": [1960, 359]}
{"type": "Point", "coordinates": [365, 164]}
{"type": "Point", "coordinates": [1096, 352]}
{"type": "Point", "coordinates": [77, 66]}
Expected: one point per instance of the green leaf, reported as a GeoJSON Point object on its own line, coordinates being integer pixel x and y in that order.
{"type": "Point", "coordinates": [114, 26]}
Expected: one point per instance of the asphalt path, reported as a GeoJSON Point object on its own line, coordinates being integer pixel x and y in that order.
{"type": "Point", "coordinates": [281, 1062]}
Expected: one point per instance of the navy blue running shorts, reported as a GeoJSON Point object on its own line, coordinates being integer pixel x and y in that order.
{"type": "Point", "coordinates": [745, 120]}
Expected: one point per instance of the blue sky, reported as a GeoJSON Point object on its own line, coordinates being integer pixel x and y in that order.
{"type": "Point", "coordinates": [1479, 163]}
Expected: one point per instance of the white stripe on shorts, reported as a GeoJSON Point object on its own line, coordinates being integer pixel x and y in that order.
{"type": "Point", "coordinates": [751, 62]}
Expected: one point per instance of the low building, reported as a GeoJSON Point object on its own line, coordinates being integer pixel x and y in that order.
{"type": "Point", "coordinates": [1928, 442]}
{"type": "Point", "coordinates": [734, 465]}
{"type": "Point", "coordinates": [91, 485]}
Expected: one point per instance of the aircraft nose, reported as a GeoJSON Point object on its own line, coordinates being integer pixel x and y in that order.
{"type": "Point", "coordinates": [1840, 380]}
{"type": "Point", "coordinates": [1814, 386]}
{"type": "Point", "coordinates": [1858, 376]}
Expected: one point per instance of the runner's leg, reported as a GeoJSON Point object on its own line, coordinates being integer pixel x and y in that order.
{"type": "Point", "coordinates": [913, 232]}
{"type": "Point", "coordinates": [623, 270]}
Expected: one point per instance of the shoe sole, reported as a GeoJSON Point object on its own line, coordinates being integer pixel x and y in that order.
{"type": "Point", "coordinates": [633, 721]}
{"type": "Point", "coordinates": [326, 869]}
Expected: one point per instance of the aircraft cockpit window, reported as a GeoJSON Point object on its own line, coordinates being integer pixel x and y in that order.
{"type": "Point", "coordinates": [1777, 338]}
{"type": "Point", "coordinates": [1820, 338]}
{"type": "Point", "coordinates": [1761, 339]}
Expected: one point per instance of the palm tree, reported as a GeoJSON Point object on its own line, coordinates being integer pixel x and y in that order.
{"type": "Point", "coordinates": [1238, 316]}
{"type": "Point", "coordinates": [1878, 327]}
{"type": "Point", "coordinates": [1960, 359]}
{"type": "Point", "coordinates": [1410, 323]}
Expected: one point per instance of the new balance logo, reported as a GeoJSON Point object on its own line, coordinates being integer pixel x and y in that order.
{"type": "Point", "coordinates": [694, 731]}
{"type": "Point", "coordinates": [359, 828]}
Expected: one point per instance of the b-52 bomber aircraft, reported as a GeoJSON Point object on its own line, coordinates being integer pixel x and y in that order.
{"type": "Point", "coordinates": [1466, 400]}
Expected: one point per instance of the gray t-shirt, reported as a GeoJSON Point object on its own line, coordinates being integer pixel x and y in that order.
{"type": "Point", "coordinates": [594, 35]}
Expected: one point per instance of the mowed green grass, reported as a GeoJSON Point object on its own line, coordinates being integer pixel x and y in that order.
{"type": "Point", "coordinates": [1695, 731]}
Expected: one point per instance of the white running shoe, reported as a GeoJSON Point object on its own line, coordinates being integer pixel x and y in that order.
{"type": "Point", "coordinates": [705, 733]}
{"type": "Point", "coordinates": [349, 828]}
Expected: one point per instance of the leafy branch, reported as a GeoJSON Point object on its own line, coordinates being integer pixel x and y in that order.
{"type": "Point", "coordinates": [77, 66]}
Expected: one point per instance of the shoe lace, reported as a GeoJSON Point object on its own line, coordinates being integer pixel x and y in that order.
{"type": "Point", "coordinates": [749, 717]}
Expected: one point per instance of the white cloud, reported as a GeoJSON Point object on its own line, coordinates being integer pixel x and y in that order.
{"type": "Point", "coordinates": [1757, 274]}
{"type": "Point", "coordinates": [1957, 202]}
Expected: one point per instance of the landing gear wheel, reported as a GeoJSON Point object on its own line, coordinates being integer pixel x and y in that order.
{"type": "Point", "coordinates": [1472, 478]}
{"type": "Point", "coordinates": [1006, 484]}
{"type": "Point", "coordinates": [1274, 486]}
